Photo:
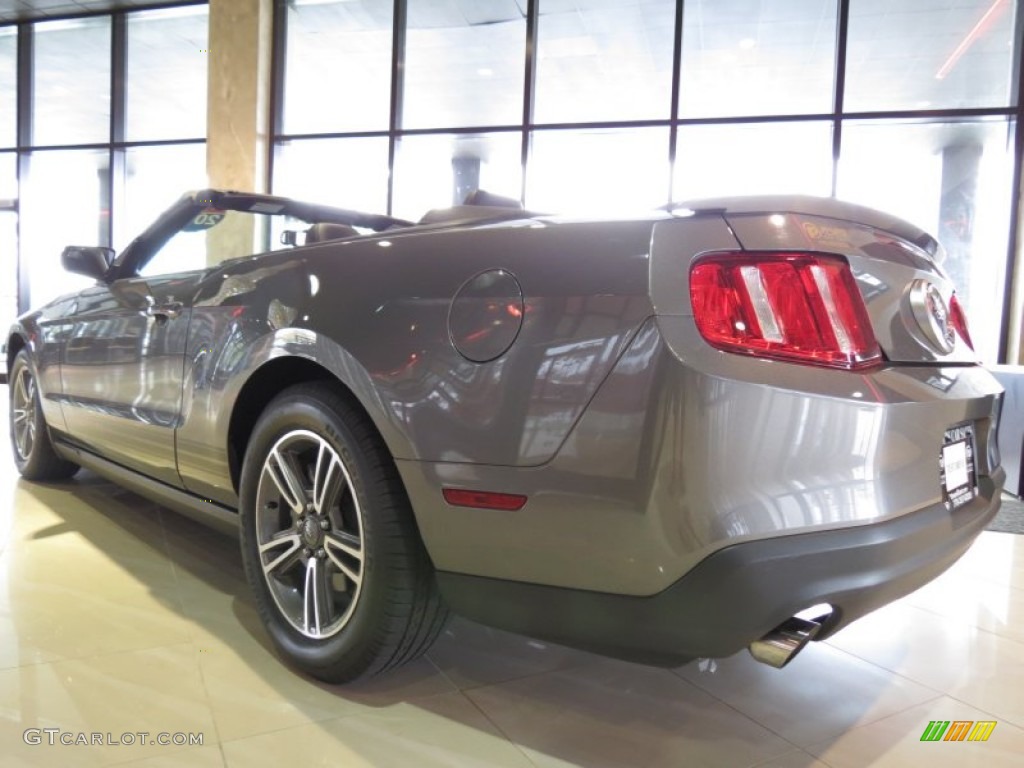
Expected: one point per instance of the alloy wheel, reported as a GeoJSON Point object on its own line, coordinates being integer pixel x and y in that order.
{"type": "Point", "coordinates": [23, 412]}
{"type": "Point", "coordinates": [309, 533]}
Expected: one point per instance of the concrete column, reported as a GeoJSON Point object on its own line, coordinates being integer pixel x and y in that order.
{"type": "Point", "coordinates": [238, 113]}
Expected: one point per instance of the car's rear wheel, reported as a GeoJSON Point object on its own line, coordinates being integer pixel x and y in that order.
{"type": "Point", "coordinates": [331, 550]}
{"type": "Point", "coordinates": [34, 455]}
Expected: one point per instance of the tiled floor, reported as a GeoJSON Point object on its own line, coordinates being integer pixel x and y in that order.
{"type": "Point", "coordinates": [117, 617]}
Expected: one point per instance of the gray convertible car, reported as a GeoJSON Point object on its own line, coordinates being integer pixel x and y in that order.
{"type": "Point", "coordinates": [738, 423]}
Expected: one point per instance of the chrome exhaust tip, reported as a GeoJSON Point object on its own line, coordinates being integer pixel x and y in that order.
{"type": "Point", "coordinates": [779, 646]}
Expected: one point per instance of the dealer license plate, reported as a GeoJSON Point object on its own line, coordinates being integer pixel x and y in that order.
{"type": "Point", "coordinates": [956, 466]}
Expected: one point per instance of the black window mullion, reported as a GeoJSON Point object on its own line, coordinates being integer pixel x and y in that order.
{"type": "Point", "coordinates": [677, 66]}
{"type": "Point", "coordinates": [118, 53]}
{"type": "Point", "coordinates": [116, 165]}
{"type": "Point", "coordinates": [24, 86]}
{"type": "Point", "coordinates": [529, 79]}
{"type": "Point", "coordinates": [1014, 267]}
{"type": "Point", "coordinates": [278, 62]}
{"type": "Point", "coordinates": [842, 31]}
{"type": "Point", "coordinates": [24, 140]}
{"type": "Point", "coordinates": [397, 91]}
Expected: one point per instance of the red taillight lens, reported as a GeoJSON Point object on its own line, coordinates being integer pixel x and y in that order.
{"type": "Point", "coordinates": [803, 307]}
{"type": "Point", "coordinates": [504, 502]}
{"type": "Point", "coordinates": [958, 320]}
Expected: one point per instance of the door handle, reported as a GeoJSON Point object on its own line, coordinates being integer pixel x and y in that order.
{"type": "Point", "coordinates": [163, 312]}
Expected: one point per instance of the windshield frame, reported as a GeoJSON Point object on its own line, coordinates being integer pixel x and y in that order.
{"type": "Point", "coordinates": [144, 247]}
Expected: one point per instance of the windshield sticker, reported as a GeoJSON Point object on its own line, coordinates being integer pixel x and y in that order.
{"type": "Point", "coordinates": [208, 219]}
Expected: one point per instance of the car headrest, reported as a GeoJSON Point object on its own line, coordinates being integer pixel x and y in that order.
{"type": "Point", "coordinates": [323, 230]}
{"type": "Point", "coordinates": [483, 197]}
{"type": "Point", "coordinates": [479, 206]}
{"type": "Point", "coordinates": [469, 214]}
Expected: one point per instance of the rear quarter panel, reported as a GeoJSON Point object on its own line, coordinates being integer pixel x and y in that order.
{"type": "Point", "coordinates": [374, 311]}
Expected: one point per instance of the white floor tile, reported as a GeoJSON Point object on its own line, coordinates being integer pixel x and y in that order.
{"type": "Point", "coordinates": [472, 655]}
{"type": "Point", "coordinates": [895, 742]}
{"type": "Point", "coordinates": [975, 600]}
{"type": "Point", "coordinates": [194, 757]}
{"type": "Point", "coordinates": [821, 693]}
{"type": "Point", "coordinates": [118, 696]}
{"type": "Point", "coordinates": [444, 730]}
{"type": "Point", "coordinates": [998, 557]}
{"type": "Point", "coordinates": [607, 713]}
{"type": "Point", "coordinates": [970, 664]}
{"type": "Point", "coordinates": [795, 759]}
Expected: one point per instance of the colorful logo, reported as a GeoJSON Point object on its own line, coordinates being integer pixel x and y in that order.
{"type": "Point", "coordinates": [958, 730]}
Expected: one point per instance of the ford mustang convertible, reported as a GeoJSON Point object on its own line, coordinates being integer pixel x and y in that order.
{"type": "Point", "coordinates": [734, 423]}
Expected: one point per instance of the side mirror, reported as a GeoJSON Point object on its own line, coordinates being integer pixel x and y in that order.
{"type": "Point", "coordinates": [91, 261]}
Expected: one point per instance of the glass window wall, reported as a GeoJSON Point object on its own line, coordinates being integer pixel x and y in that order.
{"type": "Point", "coordinates": [600, 60]}
{"type": "Point", "coordinates": [8, 85]}
{"type": "Point", "coordinates": [768, 58]}
{"type": "Point", "coordinates": [753, 158]}
{"type": "Point", "coordinates": [165, 78]}
{"type": "Point", "coordinates": [347, 173]}
{"type": "Point", "coordinates": [437, 171]}
{"type": "Point", "coordinates": [154, 177]}
{"type": "Point", "coordinates": [8, 240]}
{"type": "Point", "coordinates": [938, 54]}
{"type": "Point", "coordinates": [338, 73]}
{"type": "Point", "coordinates": [65, 201]}
{"type": "Point", "coordinates": [952, 179]}
{"type": "Point", "coordinates": [601, 170]}
{"type": "Point", "coordinates": [85, 180]}
{"type": "Point", "coordinates": [71, 81]}
{"type": "Point", "coordinates": [464, 64]}
{"type": "Point", "coordinates": [583, 94]}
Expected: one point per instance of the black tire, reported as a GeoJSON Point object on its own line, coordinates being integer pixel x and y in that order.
{"type": "Point", "coordinates": [34, 455]}
{"type": "Point", "coordinates": [373, 610]}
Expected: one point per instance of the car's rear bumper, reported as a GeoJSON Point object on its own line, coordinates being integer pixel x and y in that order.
{"type": "Point", "coordinates": [680, 455]}
{"type": "Point", "coordinates": [739, 593]}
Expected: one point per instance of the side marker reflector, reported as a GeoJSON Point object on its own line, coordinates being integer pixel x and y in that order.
{"type": "Point", "coordinates": [505, 502]}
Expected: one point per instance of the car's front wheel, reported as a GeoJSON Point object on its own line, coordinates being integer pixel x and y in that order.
{"type": "Point", "coordinates": [331, 550]}
{"type": "Point", "coordinates": [34, 455]}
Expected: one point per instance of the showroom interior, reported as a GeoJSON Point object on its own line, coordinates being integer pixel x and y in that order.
{"type": "Point", "coordinates": [118, 616]}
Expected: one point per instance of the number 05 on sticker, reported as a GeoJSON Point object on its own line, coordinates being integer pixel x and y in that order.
{"type": "Point", "coordinates": [956, 466]}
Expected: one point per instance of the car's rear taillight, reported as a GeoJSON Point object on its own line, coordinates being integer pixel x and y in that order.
{"type": "Point", "coordinates": [803, 307]}
{"type": "Point", "coordinates": [958, 320]}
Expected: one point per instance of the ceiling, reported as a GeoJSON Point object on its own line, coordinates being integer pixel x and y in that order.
{"type": "Point", "coordinates": [23, 10]}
